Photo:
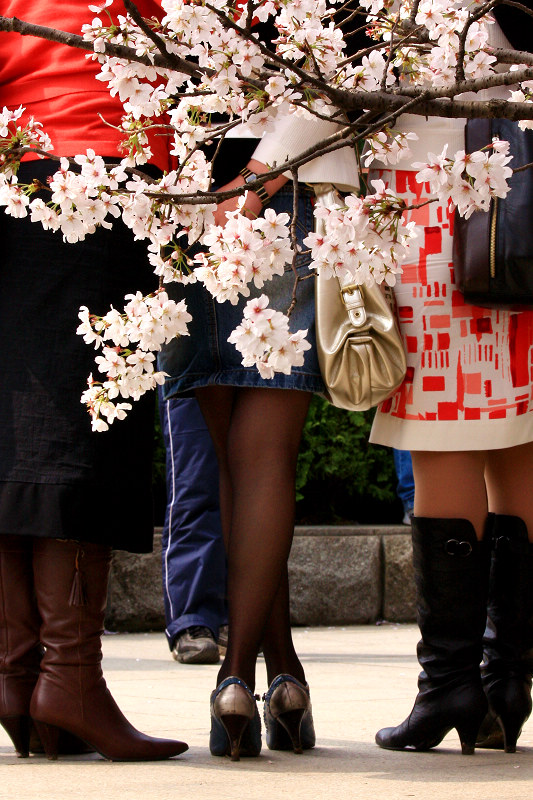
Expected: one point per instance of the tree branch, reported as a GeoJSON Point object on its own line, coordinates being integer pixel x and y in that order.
{"type": "Point", "coordinates": [472, 17]}
{"type": "Point", "coordinates": [136, 16]}
{"type": "Point", "coordinates": [437, 102]}
{"type": "Point", "coordinates": [15, 25]}
{"type": "Point", "coordinates": [294, 241]}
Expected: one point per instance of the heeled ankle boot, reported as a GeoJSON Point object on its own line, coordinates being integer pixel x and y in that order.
{"type": "Point", "coordinates": [451, 574]}
{"type": "Point", "coordinates": [71, 587]}
{"type": "Point", "coordinates": [507, 667]}
{"type": "Point", "coordinates": [20, 648]}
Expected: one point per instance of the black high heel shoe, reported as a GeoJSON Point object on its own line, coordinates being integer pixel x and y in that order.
{"type": "Point", "coordinates": [235, 723]}
{"type": "Point", "coordinates": [288, 715]}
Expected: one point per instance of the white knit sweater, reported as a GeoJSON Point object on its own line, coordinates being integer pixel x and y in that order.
{"type": "Point", "coordinates": [293, 135]}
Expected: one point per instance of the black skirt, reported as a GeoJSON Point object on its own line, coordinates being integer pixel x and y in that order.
{"type": "Point", "coordinates": [58, 478]}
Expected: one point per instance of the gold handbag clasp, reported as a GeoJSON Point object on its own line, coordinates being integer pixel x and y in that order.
{"type": "Point", "coordinates": [353, 300]}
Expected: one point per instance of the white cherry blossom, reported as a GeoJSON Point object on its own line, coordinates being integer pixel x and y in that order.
{"type": "Point", "coordinates": [363, 237]}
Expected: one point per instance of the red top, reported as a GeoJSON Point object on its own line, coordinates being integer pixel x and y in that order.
{"type": "Point", "coordinates": [56, 84]}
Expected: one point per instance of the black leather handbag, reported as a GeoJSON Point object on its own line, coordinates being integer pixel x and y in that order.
{"type": "Point", "coordinates": [493, 251]}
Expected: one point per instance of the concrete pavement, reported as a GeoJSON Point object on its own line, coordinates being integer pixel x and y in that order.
{"type": "Point", "coordinates": [361, 678]}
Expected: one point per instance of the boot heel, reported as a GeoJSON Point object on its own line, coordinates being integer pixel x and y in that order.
{"type": "Point", "coordinates": [472, 720]}
{"type": "Point", "coordinates": [468, 732]}
{"type": "Point", "coordinates": [467, 748]}
{"type": "Point", "coordinates": [511, 726]}
{"type": "Point", "coordinates": [18, 729]}
{"type": "Point", "coordinates": [291, 721]}
{"type": "Point", "coordinates": [49, 736]}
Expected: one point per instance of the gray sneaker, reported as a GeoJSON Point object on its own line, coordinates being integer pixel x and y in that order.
{"type": "Point", "coordinates": [222, 639]}
{"type": "Point", "coordinates": [196, 645]}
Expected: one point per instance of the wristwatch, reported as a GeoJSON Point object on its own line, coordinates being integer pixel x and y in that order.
{"type": "Point", "coordinates": [261, 192]}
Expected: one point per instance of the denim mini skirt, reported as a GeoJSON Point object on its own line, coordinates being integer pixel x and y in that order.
{"type": "Point", "coordinates": [206, 358]}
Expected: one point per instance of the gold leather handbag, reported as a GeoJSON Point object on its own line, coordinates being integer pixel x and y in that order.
{"type": "Point", "coordinates": [360, 349]}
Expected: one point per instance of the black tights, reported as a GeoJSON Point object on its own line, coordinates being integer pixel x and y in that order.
{"type": "Point", "coordinates": [256, 433]}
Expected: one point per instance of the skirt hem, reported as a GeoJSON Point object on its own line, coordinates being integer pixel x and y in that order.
{"type": "Point", "coordinates": [452, 435]}
{"type": "Point", "coordinates": [242, 378]}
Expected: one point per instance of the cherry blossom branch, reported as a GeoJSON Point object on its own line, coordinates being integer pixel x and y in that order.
{"type": "Point", "coordinates": [343, 99]}
{"type": "Point", "coordinates": [474, 16]}
{"type": "Point", "coordinates": [476, 84]}
{"type": "Point", "coordinates": [414, 12]}
{"type": "Point", "coordinates": [523, 167]}
{"type": "Point", "coordinates": [519, 6]}
{"type": "Point", "coordinates": [137, 17]}
{"type": "Point", "coordinates": [292, 234]}
{"type": "Point", "coordinates": [505, 56]}
{"type": "Point", "coordinates": [444, 104]}
{"type": "Point", "coordinates": [390, 52]}
{"type": "Point", "coordinates": [250, 8]}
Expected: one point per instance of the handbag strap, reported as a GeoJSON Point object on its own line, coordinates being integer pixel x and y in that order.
{"type": "Point", "coordinates": [350, 292]}
{"type": "Point", "coordinates": [352, 297]}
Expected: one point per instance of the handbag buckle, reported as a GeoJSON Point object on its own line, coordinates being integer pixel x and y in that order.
{"type": "Point", "coordinates": [353, 300]}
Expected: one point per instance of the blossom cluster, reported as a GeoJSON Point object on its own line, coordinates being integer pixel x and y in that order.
{"type": "Point", "coordinates": [434, 64]}
{"type": "Point", "coordinates": [149, 322]}
{"type": "Point", "coordinates": [86, 193]}
{"type": "Point", "coordinates": [243, 251]}
{"type": "Point", "coordinates": [14, 138]}
{"type": "Point", "coordinates": [388, 147]}
{"type": "Point", "coordinates": [364, 239]}
{"type": "Point", "coordinates": [470, 180]}
{"type": "Point", "coordinates": [79, 202]}
{"type": "Point", "coordinates": [264, 339]}
{"type": "Point", "coordinates": [524, 94]}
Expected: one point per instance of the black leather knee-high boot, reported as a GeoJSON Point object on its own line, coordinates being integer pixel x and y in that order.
{"type": "Point", "coordinates": [507, 667]}
{"type": "Point", "coordinates": [451, 573]}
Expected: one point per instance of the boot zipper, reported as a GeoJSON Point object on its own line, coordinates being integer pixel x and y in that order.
{"type": "Point", "coordinates": [492, 248]}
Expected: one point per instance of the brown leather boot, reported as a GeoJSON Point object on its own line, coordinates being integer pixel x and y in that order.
{"type": "Point", "coordinates": [20, 648]}
{"type": "Point", "coordinates": [71, 586]}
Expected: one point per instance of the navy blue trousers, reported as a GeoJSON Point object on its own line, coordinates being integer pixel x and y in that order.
{"type": "Point", "coordinates": [194, 559]}
{"type": "Point", "coordinates": [406, 483]}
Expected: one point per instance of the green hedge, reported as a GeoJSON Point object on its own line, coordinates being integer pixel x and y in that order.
{"type": "Point", "coordinates": [340, 476]}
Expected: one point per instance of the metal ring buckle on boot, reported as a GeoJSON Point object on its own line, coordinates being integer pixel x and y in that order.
{"type": "Point", "coordinates": [456, 548]}
{"type": "Point", "coordinates": [502, 542]}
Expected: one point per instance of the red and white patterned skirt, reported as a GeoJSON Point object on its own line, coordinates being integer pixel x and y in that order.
{"type": "Point", "coordinates": [469, 369]}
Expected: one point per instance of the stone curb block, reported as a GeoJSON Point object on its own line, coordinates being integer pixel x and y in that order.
{"type": "Point", "coordinates": [339, 575]}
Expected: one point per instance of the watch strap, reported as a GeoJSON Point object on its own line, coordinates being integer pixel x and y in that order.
{"type": "Point", "coordinates": [260, 191]}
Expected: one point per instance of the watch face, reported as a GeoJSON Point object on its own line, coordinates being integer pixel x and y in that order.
{"type": "Point", "coordinates": [251, 177]}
